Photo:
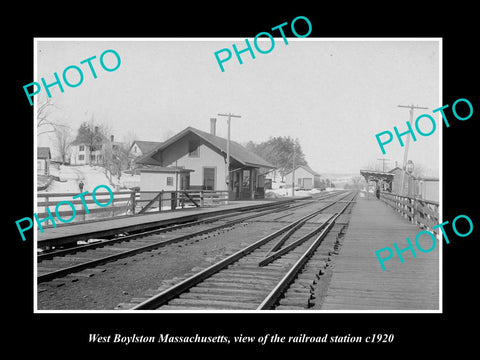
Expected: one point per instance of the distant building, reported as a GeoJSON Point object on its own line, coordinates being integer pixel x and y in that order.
{"type": "Point", "coordinates": [427, 188]}
{"type": "Point", "coordinates": [139, 148]}
{"type": "Point", "coordinates": [305, 178]}
{"type": "Point", "coordinates": [204, 154]}
{"type": "Point", "coordinates": [396, 182]}
{"type": "Point", "coordinates": [84, 153]}
{"type": "Point", "coordinates": [43, 161]}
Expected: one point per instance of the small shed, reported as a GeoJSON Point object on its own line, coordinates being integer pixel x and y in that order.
{"type": "Point", "coordinates": [305, 178]}
{"type": "Point", "coordinates": [43, 161]}
{"type": "Point", "coordinates": [158, 178]}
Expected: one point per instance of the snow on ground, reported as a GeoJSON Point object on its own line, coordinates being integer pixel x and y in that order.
{"type": "Point", "coordinates": [281, 189]}
{"type": "Point", "coordinates": [92, 176]}
{"type": "Point", "coordinates": [283, 192]}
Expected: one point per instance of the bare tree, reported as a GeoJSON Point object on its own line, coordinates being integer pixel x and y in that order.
{"type": "Point", "coordinates": [63, 139]}
{"type": "Point", "coordinates": [92, 135]}
{"type": "Point", "coordinates": [45, 124]}
{"type": "Point", "coordinates": [128, 140]}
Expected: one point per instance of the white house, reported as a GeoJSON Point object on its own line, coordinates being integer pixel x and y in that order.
{"type": "Point", "coordinates": [93, 152]}
{"type": "Point", "coordinates": [139, 147]}
{"type": "Point", "coordinates": [305, 178]}
{"type": "Point", "coordinates": [83, 153]}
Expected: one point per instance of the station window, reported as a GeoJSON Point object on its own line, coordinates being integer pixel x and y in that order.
{"type": "Point", "coordinates": [81, 157]}
{"type": "Point", "coordinates": [81, 148]}
{"type": "Point", "coordinates": [169, 181]}
{"type": "Point", "coordinates": [246, 178]}
{"type": "Point", "coordinates": [209, 178]}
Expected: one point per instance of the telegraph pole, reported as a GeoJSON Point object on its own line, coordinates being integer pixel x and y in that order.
{"type": "Point", "coordinates": [293, 171]}
{"type": "Point", "coordinates": [405, 154]}
{"type": "Point", "coordinates": [383, 160]}
{"type": "Point", "coordinates": [227, 171]}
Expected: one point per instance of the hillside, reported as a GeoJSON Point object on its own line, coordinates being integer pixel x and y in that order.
{"type": "Point", "coordinates": [92, 176]}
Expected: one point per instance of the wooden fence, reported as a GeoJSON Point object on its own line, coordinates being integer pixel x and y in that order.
{"type": "Point", "coordinates": [421, 212]}
{"type": "Point", "coordinates": [124, 203]}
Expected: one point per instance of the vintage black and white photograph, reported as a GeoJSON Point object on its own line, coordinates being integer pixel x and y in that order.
{"type": "Point", "coordinates": [295, 174]}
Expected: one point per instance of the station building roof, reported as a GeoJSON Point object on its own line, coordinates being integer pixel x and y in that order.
{"type": "Point", "coordinates": [164, 169]}
{"type": "Point", "coordinates": [237, 151]}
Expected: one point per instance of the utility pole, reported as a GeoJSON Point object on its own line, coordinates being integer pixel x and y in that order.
{"type": "Point", "coordinates": [383, 160]}
{"type": "Point", "coordinates": [293, 171]}
{"type": "Point", "coordinates": [227, 171]}
{"type": "Point", "coordinates": [405, 154]}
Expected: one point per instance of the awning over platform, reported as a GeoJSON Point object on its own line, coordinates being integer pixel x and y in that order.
{"type": "Point", "coordinates": [372, 175]}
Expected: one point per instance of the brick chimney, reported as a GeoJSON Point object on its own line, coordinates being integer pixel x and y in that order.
{"type": "Point", "coordinates": [213, 126]}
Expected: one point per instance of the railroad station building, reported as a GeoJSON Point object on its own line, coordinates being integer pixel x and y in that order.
{"type": "Point", "coordinates": [202, 157]}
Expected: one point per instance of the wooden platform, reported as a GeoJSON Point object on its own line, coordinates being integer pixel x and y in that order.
{"type": "Point", "coordinates": [98, 229]}
{"type": "Point", "coordinates": [358, 282]}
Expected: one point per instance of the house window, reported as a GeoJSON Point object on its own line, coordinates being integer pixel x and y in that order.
{"type": "Point", "coordinates": [81, 157]}
{"type": "Point", "coordinates": [81, 148]}
{"type": "Point", "coordinates": [169, 180]}
{"type": "Point", "coordinates": [193, 148]}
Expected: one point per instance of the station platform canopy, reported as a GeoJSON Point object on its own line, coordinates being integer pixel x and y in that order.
{"type": "Point", "coordinates": [372, 175]}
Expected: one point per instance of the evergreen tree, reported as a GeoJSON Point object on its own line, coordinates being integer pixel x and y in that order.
{"type": "Point", "coordinates": [279, 152]}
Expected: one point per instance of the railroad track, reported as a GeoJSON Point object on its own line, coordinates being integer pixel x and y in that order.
{"type": "Point", "coordinates": [257, 276]}
{"type": "Point", "coordinates": [68, 261]}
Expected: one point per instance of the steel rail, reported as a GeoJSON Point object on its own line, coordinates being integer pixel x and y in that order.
{"type": "Point", "coordinates": [93, 263]}
{"type": "Point", "coordinates": [284, 238]}
{"type": "Point", "coordinates": [275, 255]}
{"type": "Point", "coordinates": [174, 291]}
{"type": "Point", "coordinates": [272, 298]}
{"type": "Point", "coordinates": [104, 243]}
{"type": "Point", "coordinates": [51, 254]}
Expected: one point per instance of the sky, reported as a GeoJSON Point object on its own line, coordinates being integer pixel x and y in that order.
{"type": "Point", "coordinates": [334, 95]}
